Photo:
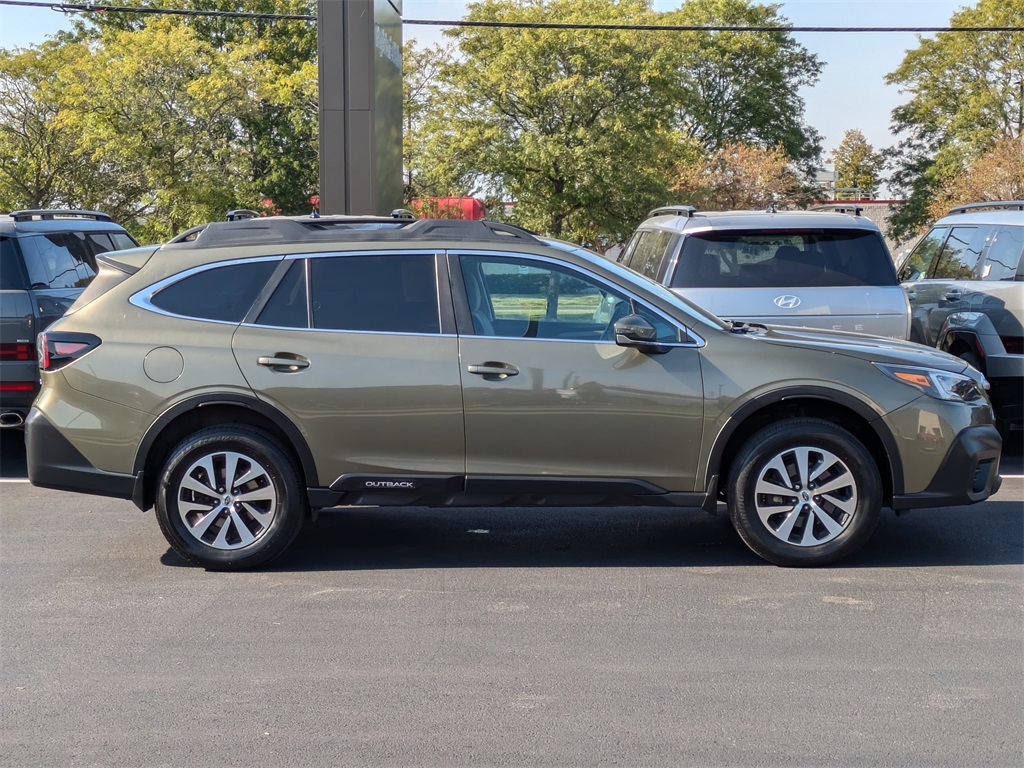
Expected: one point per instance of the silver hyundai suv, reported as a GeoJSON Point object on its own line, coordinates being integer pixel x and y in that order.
{"type": "Point", "coordinates": [819, 269]}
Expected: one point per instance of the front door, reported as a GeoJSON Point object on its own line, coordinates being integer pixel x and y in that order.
{"type": "Point", "coordinates": [549, 394]}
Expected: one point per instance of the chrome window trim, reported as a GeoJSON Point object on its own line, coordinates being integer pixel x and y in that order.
{"type": "Point", "coordinates": [697, 342]}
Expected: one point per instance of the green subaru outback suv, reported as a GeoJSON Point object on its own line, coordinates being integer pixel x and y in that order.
{"type": "Point", "coordinates": [248, 374]}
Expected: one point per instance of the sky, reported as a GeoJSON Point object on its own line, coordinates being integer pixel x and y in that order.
{"type": "Point", "coordinates": [850, 94]}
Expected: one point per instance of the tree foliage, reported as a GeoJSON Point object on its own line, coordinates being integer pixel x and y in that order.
{"type": "Point", "coordinates": [997, 175]}
{"type": "Point", "coordinates": [857, 164]}
{"type": "Point", "coordinates": [966, 92]}
{"type": "Point", "coordinates": [739, 176]}
{"type": "Point", "coordinates": [742, 86]}
{"type": "Point", "coordinates": [585, 130]}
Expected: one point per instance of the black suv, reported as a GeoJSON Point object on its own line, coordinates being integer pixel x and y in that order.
{"type": "Point", "coordinates": [46, 258]}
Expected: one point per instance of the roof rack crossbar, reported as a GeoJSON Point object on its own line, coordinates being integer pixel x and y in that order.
{"type": "Point", "coordinates": [1008, 205]}
{"type": "Point", "coordinates": [47, 214]}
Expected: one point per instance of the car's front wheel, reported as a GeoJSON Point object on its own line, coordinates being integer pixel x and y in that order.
{"type": "Point", "coordinates": [804, 492]}
{"type": "Point", "coordinates": [230, 498]}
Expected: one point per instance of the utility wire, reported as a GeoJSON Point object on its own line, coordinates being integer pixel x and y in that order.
{"type": "Point", "coordinates": [104, 8]}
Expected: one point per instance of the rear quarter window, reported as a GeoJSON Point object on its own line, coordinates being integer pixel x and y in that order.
{"type": "Point", "coordinates": [784, 259]}
{"type": "Point", "coordinates": [219, 293]}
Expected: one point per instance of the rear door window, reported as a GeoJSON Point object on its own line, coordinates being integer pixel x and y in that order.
{"type": "Point", "coordinates": [1003, 260]}
{"type": "Point", "coordinates": [783, 259]}
{"type": "Point", "coordinates": [390, 293]}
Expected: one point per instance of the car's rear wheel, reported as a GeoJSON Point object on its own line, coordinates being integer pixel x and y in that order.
{"type": "Point", "coordinates": [230, 498]}
{"type": "Point", "coordinates": [804, 492]}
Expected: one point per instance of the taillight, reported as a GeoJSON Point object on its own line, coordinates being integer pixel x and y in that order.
{"type": "Point", "coordinates": [21, 351]}
{"type": "Point", "coordinates": [1013, 344]}
{"type": "Point", "coordinates": [58, 349]}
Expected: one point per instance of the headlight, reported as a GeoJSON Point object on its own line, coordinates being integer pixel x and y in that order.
{"type": "Point", "coordinates": [942, 385]}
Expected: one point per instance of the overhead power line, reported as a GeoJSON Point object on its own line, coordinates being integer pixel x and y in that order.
{"type": "Point", "coordinates": [104, 8]}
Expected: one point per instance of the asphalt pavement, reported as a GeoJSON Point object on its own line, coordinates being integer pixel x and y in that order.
{"type": "Point", "coordinates": [525, 637]}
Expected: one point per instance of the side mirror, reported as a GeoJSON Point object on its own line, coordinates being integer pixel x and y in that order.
{"type": "Point", "coordinates": [637, 332]}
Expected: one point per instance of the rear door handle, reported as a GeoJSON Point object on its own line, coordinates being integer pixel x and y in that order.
{"type": "Point", "coordinates": [283, 364]}
{"type": "Point", "coordinates": [490, 370]}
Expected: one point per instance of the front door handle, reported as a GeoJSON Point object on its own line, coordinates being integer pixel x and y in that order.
{"type": "Point", "coordinates": [954, 296]}
{"type": "Point", "coordinates": [283, 364]}
{"type": "Point", "coordinates": [493, 371]}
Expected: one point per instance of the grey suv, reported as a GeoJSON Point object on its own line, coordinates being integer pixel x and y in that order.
{"type": "Point", "coordinates": [46, 258]}
{"type": "Point", "coordinates": [963, 280]}
{"type": "Point", "coordinates": [251, 373]}
{"type": "Point", "coordinates": [819, 269]}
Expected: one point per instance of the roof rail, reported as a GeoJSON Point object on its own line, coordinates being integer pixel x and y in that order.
{"type": "Point", "coordinates": [1008, 205]}
{"type": "Point", "coordinates": [47, 214]}
{"type": "Point", "coordinates": [267, 230]}
{"type": "Point", "coordinates": [856, 210]}
{"type": "Point", "coordinates": [673, 210]}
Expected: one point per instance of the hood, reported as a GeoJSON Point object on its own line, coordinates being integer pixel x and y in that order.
{"type": "Point", "coordinates": [870, 348]}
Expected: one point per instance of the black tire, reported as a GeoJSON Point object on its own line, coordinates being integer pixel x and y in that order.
{"type": "Point", "coordinates": [797, 527]}
{"type": "Point", "coordinates": [230, 528]}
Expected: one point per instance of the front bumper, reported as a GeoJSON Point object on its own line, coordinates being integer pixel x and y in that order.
{"type": "Point", "coordinates": [969, 473]}
{"type": "Point", "coordinates": [53, 462]}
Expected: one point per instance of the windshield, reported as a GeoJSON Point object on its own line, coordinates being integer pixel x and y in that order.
{"type": "Point", "coordinates": [663, 293]}
{"type": "Point", "coordinates": [783, 259]}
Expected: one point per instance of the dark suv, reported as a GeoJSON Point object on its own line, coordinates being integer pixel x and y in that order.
{"type": "Point", "coordinates": [965, 282]}
{"type": "Point", "coordinates": [253, 372]}
{"type": "Point", "coordinates": [46, 258]}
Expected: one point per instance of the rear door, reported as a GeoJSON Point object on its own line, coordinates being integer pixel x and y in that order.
{"type": "Point", "coordinates": [552, 403]}
{"type": "Point", "coordinates": [356, 351]}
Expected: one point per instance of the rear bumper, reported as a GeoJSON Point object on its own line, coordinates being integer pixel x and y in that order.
{"type": "Point", "coordinates": [969, 473]}
{"type": "Point", "coordinates": [53, 462]}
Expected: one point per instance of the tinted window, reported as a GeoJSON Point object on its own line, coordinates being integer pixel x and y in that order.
{"type": "Point", "coordinates": [386, 292]}
{"type": "Point", "coordinates": [649, 251]}
{"type": "Point", "coordinates": [1002, 262]}
{"type": "Point", "coordinates": [959, 255]}
{"type": "Point", "coordinates": [220, 293]}
{"type": "Point", "coordinates": [921, 258]}
{"type": "Point", "coordinates": [11, 276]}
{"type": "Point", "coordinates": [58, 260]}
{"type": "Point", "coordinates": [288, 307]}
{"type": "Point", "coordinates": [783, 259]}
{"type": "Point", "coordinates": [122, 241]}
{"type": "Point", "coordinates": [523, 298]}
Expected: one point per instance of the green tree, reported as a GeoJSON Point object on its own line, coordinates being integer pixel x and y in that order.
{"type": "Point", "coordinates": [742, 87]}
{"type": "Point", "coordinates": [157, 109]}
{"type": "Point", "coordinates": [38, 163]}
{"type": "Point", "coordinates": [857, 164]}
{"type": "Point", "coordinates": [966, 91]}
{"type": "Point", "coordinates": [424, 176]}
{"type": "Point", "coordinates": [569, 124]}
{"type": "Point", "coordinates": [277, 136]}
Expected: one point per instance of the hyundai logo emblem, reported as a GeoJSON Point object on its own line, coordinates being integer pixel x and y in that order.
{"type": "Point", "coordinates": [787, 302]}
